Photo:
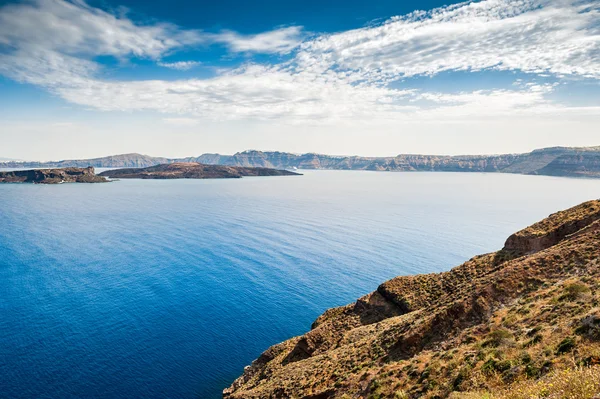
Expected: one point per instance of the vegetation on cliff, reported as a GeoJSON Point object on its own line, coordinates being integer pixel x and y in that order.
{"type": "Point", "coordinates": [523, 322]}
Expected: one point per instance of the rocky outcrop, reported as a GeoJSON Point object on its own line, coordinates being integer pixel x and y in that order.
{"type": "Point", "coordinates": [52, 176]}
{"type": "Point", "coordinates": [512, 315]}
{"type": "Point", "coordinates": [553, 229]}
{"type": "Point", "coordinates": [556, 161]}
{"type": "Point", "coordinates": [193, 170]}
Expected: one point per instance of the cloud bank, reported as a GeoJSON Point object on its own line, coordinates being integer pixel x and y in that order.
{"type": "Point", "coordinates": [346, 77]}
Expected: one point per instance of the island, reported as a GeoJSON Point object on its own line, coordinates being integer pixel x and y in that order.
{"type": "Point", "coordinates": [52, 176]}
{"type": "Point", "coordinates": [194, 170]}
{"type": "Point", "coordinates": [522, 322]}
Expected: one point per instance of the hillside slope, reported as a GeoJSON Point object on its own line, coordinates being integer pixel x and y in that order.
{"type": "Point", "coordinates": [516, 318]}
{"type": "Point", "coordinates": [557, 161]}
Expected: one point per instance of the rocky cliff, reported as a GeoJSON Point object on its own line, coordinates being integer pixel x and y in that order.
{"type": "Point", "coordinates": [52, 176]}
{"type": "Point", "coordinates": [509, 324]}
{"type": "Point", "coordinates": [193, 170]}
{"type": "Point", "coordinates": [557, 161]}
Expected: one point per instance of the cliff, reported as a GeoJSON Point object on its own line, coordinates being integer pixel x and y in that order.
{"type": "Point", "coordinates": [509, 324]}
{"type": "Point", "coordinates": [52, 176]}
{"type": "Point", "coordinates": [557, 161]}
{"type": "Point", "coordinates": [193, 170]}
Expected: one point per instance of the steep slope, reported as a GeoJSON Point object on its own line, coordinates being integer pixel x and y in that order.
{"type": "Point", "coordinates": [524, 312]}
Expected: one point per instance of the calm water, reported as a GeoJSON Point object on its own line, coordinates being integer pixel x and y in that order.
{"type": "Point", "coordinates": [167, 289]}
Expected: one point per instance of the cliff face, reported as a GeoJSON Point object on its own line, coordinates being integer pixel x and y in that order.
{"type": "Point", "coordinates": [558, 161]}
{"type": "Point", "coordinates": [583, 164]}
{"type": "Point", "coordinates": [515, 316]}
{"type": "Point", "coordinates": [193, 170]}
{"type": "Point", "coordinates": [52, 176]}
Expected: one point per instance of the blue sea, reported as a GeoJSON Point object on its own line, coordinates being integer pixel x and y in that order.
{"type": "Point", "coordinates": [167, 289]}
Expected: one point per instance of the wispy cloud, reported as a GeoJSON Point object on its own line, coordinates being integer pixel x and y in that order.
{"type": "Point", "coordinates": [281, 40]}
{"type": "Point", "coordinates": [180, 65]}
{"type": "Point", "coordinates": [78, 29]}
{"type": "Point", "coordinates": [75, 28]}
{"type": "Point", "coordinates": [560, 37]}
{"type": "Point", "coordinates": [343, 77]}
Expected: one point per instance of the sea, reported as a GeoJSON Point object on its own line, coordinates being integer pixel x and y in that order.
{"type": "Point", "coordinates": [168, 288]}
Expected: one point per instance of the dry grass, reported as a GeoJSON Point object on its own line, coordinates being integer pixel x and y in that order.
{"type": "Point", "coordinates": [578, 383]}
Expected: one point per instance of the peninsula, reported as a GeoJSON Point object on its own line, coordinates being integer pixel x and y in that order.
{"type": "Point", "coordinates": [523, 322]}
{"type": "Point", "coordinates": [193, 170]}
{"type": "Point", "coordinates": [52, 176]}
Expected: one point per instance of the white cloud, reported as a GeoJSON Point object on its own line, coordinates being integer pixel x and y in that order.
{"type": "Point", "coordinates": [180, 65]}
{"type": "Point", "coordinates": [557, 36]}
{"type": "Point", "coordinates": [281, 40]}
{"type": "Point", "coordinates": [342, 78]}
{"type": "Point", "coordinates": [271, 94]}
{"type": "Point", "coordinates": [73, 27]}
{"type": "Point", "coordinates": [76, 28]}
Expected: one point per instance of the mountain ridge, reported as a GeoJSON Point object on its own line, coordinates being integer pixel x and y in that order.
{"type": "Point", "coordinates": [552, 161]}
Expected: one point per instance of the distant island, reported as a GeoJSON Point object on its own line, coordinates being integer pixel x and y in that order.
{"type": "Point", "coordinates": [555, 161]}
{"type": "Point", "coordinates": [522, 322]}
{"type": "Point", "coordinates": [193, 170]}
{"type": "Point", "coordinates": [179, 170]}
{"type": "Point", "coordinates": [52, 176]}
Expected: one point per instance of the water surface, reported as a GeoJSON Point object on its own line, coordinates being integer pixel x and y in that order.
{"type": "Point", "coordinates": [167, 289]}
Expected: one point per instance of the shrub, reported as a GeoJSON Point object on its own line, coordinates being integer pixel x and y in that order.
{"type": "Point", "coordinates": [492, 365]}
{"type": "Point", "coordinates": [574, 291]}
{"type": "Point", "coordinates": [566, 345]}
{"type": "Point", "coordinates": [534, 331]}
{"type": "Point", "coordinates": [589, 327]}
{"type": "Point", "coordinates": [531, 371]}
{"type": "Point", "coordinates": [525, 357]}
{"type": "Point", "coordinates": [497, 338]}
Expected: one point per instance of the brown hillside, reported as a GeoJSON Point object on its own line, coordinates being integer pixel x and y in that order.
{"type": "Point", "coordinates": [515, 320]}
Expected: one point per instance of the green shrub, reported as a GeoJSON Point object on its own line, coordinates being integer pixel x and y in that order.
{"type": "Point", "coordinates": [497, 338]}
{"type": "Point", "coordinates": [589, 327]}
{"type": "Point", "coordinates": [493, 365]}
{"type": "Point", "coordinates": [566, 345]}
{"type": "Point", "coordinates": [574, 291]}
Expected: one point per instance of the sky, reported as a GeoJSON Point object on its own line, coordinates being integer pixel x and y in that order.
{"type": "Point", "coordinates": [376, 78]}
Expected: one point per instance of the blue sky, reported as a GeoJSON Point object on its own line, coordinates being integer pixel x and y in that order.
{"type": "Point", "coordinates": [178, 78]}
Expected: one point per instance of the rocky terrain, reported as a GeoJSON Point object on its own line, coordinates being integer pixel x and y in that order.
{"type": "Point", "coordinates": [557, 161]}
{"type": "Point", "coordinates": [52, 176]}
{"type": "Point", "coordinates": [523, 322]}
{"type": "Point", "coordinates": [193, 170]}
